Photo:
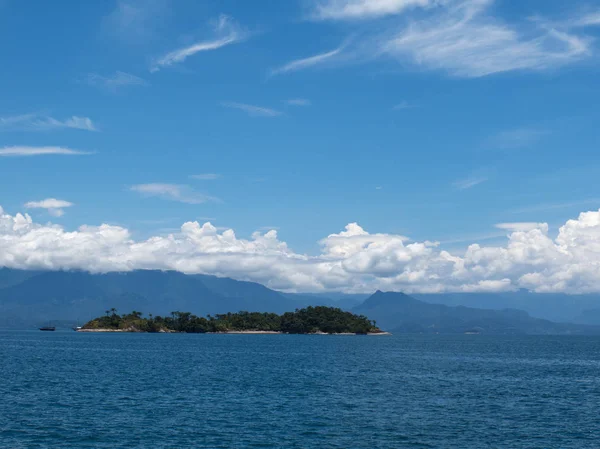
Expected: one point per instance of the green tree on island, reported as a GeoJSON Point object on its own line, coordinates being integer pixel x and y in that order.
{"type": "Point", "coordinates": [309, 320]}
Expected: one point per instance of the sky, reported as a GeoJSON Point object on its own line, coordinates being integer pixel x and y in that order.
{"type": "Point", "coordinates": [310, 145]}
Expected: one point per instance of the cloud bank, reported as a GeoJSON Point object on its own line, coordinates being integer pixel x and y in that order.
{"type": "Point", "coordinates": [352, 260]}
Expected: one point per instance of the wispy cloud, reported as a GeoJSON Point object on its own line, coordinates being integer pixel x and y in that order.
{"type": "Point", "coordinates": [583, 19]}
{"type": "Point", "coordinates": [305, 63]}
{"type": "Point", "coordinates": [227, 33]}
{"type": "Point", "coordinates": [114, 82]}
{"type": "Point", "coordinates": [135, 21]}
{"type": "Point", "coordinates": [298, 102]}
{"type": "Point", "coordinates": [52, 205]}
{"type": "Point", "coordinates": [466, 41]}
{"type": "Point", "coordinates": [35, 122]}
{"type": "Point", "coordinates": [470, 238]}
{"type": "Point", "coordinates": [17, 151]}
{"type": "Point", "coordinates": [463, 38]}
{"type": "Point", "coordinates": [403, 105]}
{"type": "Point", "coordinates": [521, 227]}
{"type": "Point", "coordinates": [517, 138]}
{"type": "Point", "coordinates": [251, 110]}
{"type": "Point", "coordinates": [206, 176]}
{"type": "Point", "coordinates": [594, 202]}
{"type": "Point", "coordinates": [590, 19]}
{"type": "Point", "coordinates": [364, 9]}
{"type": "Point", "coordinates": [470, 182]}
{"type": "Point", "coordinates": [173, 192]}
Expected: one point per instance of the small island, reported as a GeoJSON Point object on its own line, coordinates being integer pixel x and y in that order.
{"type": "Point", "coordinates": [310, 320]}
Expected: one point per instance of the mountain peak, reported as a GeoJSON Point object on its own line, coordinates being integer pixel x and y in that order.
{"type": "Point", "coordinates": [380, 299]}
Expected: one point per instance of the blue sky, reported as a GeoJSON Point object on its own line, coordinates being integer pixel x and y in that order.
{"type": "Point", "coordinates": [435, 120]}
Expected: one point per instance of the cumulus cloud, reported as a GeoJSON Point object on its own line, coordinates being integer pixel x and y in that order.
{"type": "Point", "coordinates": [35, 122]}
{"type": "Point", "coordinates": [227, 33]}
{"type": "Point", "coordinates": [353, 260]}
{"type": "Point", "coordinates": [52, 205]}
{"type": "Point", "coordinates": [22, 151]}
{"type": "Point", "coordinates": [173, 192]}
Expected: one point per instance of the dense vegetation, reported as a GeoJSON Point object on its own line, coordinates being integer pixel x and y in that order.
{"type": "Point", "coordinates": [303, 321]}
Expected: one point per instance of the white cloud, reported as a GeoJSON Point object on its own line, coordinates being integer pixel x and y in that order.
{"type": "Point", "coordinates": [592, 19]}
{"type": "Point", "coordinates": [461, 37]}
{"type": "Point", "coordinates": [52, 205]}
{"type": "Point", "coordinates": [114, 82]}
{"type": "Point", "coordinates": [20, 151]}
{"type": "Point", "coordinates": [587, 19]}
{"type": "Point", "coordinates": [352, 260]}
{"type": "Point", "coordinates": [206, 176]}
{"type": "Point", "coordinates": [364, 9]}
{"type": "Point", "coordinates": [305, 63]}
{"type": "Point", "coordinates": [522, 226]}
{"type": "Point", "coordinates": [135, 21]}
{"type": "Point", "coordinates": [251, 110]}
{"type": "Point", "coordinates": [551, 206]}
{"type": "Point", "coordinates": [227, 32]}
{"type": "Point", "coordinates": [35, 122]}
{"type": "Point", "coordinates": [467, 183]}
{"type": "Point", "coordinates": [298, 102]}
{"type": "Point", "coordinates": [402, 105]}
{"type": "Point", "coordinates": [518, 138]}
{"type": "Point", "coordinates": [173, 192]}
{"type": "Point", "coordinates": [464, 40]}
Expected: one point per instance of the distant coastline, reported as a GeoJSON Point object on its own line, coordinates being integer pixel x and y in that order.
{"type": "Point", "coordinates": [319, 320]}
{"type": "Point", "coordinates": [250, 332]}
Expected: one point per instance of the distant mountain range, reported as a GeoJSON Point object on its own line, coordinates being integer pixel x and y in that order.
{"type": "Point", "coordinates": [65, 298]}
{"type": "Point", "coordinates": [398, 312]}
{"type": "Point", "coordinates": [551, 306]}
{"type": "Point", "coordinates": [29, 298]}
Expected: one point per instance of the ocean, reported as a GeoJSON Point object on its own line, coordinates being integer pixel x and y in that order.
{"type": "Point", "coordinates": [72, 390]}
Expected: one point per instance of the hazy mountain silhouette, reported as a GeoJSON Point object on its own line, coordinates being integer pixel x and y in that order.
{"type": "Point", "coordinates": [402, 313]}
{"type": "Point", "coordinates": [551, 306]}
{"type": "Point", "coordinates": [30, 298]}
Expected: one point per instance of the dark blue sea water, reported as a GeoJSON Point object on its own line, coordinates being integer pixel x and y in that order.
{"type": "Point", "coordinates": [73, 390]}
